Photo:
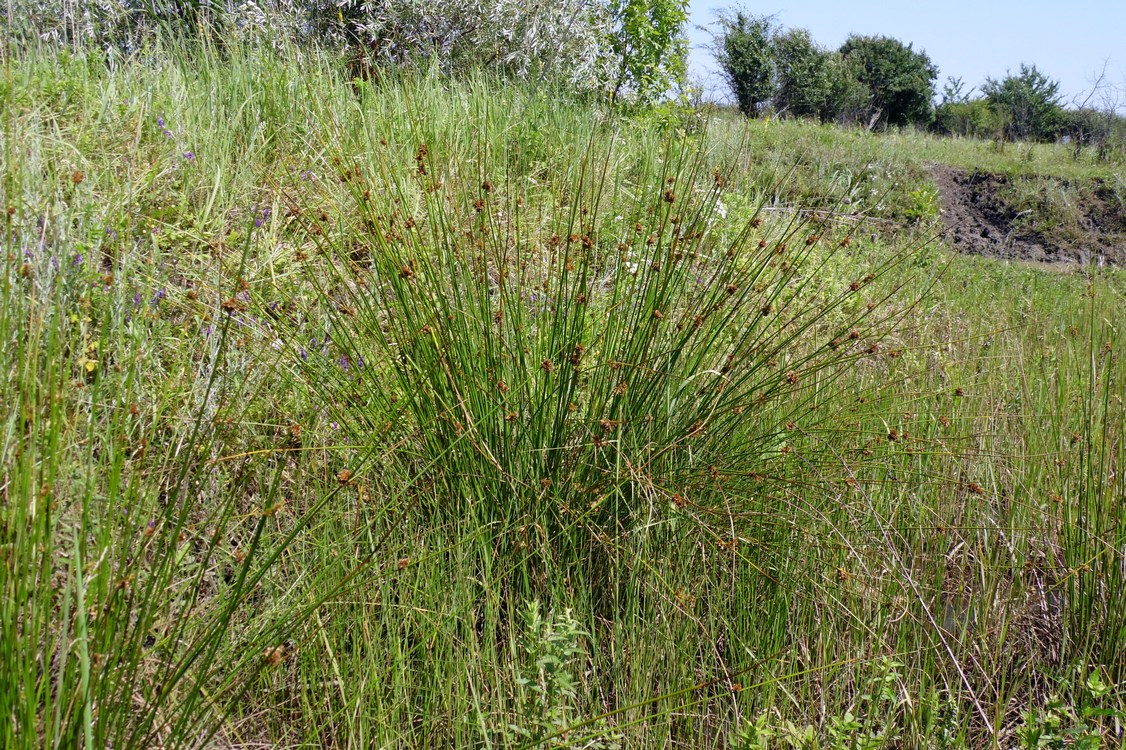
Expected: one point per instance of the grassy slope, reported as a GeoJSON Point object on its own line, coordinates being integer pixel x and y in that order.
{"type": "Point", "coordinates": [924, 542]}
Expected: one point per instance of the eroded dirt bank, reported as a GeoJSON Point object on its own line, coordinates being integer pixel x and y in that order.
{"type": "Point", "coordinates": [1038, 219]}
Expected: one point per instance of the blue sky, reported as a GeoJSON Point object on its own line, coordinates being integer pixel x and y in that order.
{"type": "Point", "coordinates": [1068, 41]}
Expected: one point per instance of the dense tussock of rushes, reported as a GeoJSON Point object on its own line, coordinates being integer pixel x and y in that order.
{"type": "Point", "coordinates": [588, 354]}
{"type": "Point", "coordinates": [443, 412]}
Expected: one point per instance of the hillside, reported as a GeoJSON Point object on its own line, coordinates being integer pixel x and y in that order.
{"type": "Point", "coordinates": [431, 412]}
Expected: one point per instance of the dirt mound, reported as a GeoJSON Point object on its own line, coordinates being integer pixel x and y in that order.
{"type": "Point", "coordinates": [1038, 219]}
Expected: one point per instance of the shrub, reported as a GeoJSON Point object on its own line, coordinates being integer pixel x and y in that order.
{"type": "Point", "coordinates": [747, 60]}
{"type": "Point", "coordinates": [1028, 101]}
{"type": "Point", "coordinates": [566, 39]}
{"type": "Point", "coordinates": [802, 74]}
{"type": "Point", "coordinates": [649, 46]}
{"type": "Point", "coordinates": [900, 80]}
{"type": "Point", "coordinates": [973, 118]}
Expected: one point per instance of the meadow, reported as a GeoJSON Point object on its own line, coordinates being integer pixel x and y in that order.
{"type": "Point", "coordinates": [449, 412]}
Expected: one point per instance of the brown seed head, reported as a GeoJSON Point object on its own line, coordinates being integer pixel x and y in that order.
{"type": "Point", "coordinates": [275, 655]}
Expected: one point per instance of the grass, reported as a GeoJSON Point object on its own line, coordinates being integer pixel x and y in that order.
{"type": "Point", "coordinates": [262, 482]}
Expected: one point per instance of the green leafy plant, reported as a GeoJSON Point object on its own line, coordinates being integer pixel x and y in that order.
{"type": "Point", "coordinates": [1094, 717]}
{"type": "Point", "coordinates": [649, 45]}
{"type": "Point", "coordinates": [900, 80]}
{"type": "Point", "coordinates": [1029, 101]}
{"type": "Point", "coordinates": [547, 687]}
{"type": "Point", "coordinates": [745, 55]}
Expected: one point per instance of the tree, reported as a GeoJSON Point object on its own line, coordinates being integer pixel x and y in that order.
{"type": "Point", "coordinates": [648, 40]}
{"type": "Point", "coordinates": [744, 53]}
{"type": "Point", "coordinates": [1029, 102]}
{"type": "Point", "coordinates": [900, 80]}
{"type": "Point", "coordinates": [802, 74]}
{"type": "Point", "coordinates": [847, 99]}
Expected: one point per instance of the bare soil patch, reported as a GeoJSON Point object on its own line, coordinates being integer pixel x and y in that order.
{"type": "Point", "coordinates": [982, 217]}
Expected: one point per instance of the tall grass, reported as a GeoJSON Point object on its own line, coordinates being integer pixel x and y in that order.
{"type": "Point", "coordinates": [379, 440]}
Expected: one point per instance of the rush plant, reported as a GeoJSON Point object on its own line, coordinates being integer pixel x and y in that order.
{"type": "Point", "coordinates": [593, 359]}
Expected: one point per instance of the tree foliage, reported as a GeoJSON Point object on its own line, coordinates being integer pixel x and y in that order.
{"type": "Point", "coordinates": [871, 80]}
{"type": "Point", "coordinates": [847, 98]}
{"type": "Point", "coordinates": [1029, 102]}
{"type": "Point", "coordinates": [900, 80]}
{"type": "Point", "coordinates": [648, 41]}
{"type": "Point", "coordinates": [746, 58]}
{"type": "Point", "coordinates": [625, 46]}
{"type": "Point", "coordinates": [803, 74]}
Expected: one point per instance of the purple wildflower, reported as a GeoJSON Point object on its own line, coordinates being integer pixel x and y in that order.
{"type": "Point", "coordinates": [136, 298]}
{"type": "Point", "coordinates": [78, 259]}
{"type": "Point", "coordinates": [160, 121]}
{"type": "Point", "coordinates": [189, 156]}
